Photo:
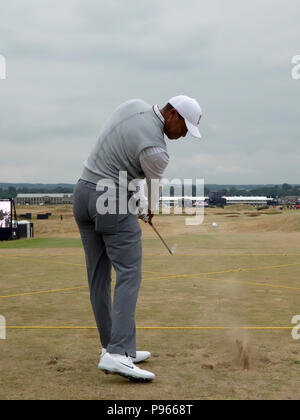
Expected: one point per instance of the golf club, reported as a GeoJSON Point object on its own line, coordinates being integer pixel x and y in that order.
{"type": "Point", "coordinates": [171, 251]}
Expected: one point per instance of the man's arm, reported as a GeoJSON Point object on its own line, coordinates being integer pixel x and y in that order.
{"type": "Point", "coordinates": [154, 161]}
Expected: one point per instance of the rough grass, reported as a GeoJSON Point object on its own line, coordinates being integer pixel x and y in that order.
{"type": "Point", "coordinates": [239, 207]}
{"type": "Point", "coordinates": [240, 274]}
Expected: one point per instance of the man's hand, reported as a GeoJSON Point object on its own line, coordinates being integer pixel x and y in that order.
{"type": "Point", "coordinates": [143, 215]}
{"type": "Point", "coordinates": [150, 216]}
{"type": "Point", "coordinates": [146, 217]}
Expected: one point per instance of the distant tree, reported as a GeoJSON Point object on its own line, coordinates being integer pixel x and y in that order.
{"type": "Point", "coordinates": [233, 191]}
{"type": "Point", "coordinates": [23, 190]}
{"type": "Point", "coordinates": [286, 187]}
{"type": "Point", "coordinates": [206, 191]}
{"type": "Point", "coordinates": [12, 192]}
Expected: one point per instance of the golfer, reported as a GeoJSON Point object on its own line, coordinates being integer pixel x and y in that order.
{"type": "Point", "coordinates": [132, 141]}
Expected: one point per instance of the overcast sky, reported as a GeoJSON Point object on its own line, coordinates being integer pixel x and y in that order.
{"type": "Point", "coordinates": [70, 63]}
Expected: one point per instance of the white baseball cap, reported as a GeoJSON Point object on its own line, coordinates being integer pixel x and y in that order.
{"type": "Point", "coordinates": [190, 110]}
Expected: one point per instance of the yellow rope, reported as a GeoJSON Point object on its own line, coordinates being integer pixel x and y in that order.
{"type": "Point", "coordinates": [176, 276]}
{"type": "Point", "coordinates": [22, 257]}
{"type": "Point", "coordinates": [158, 255]}
{"type": "Point", "coordinates": [167, 277]}
{"type": "Point", "coordinates": [148, 328]}
{"type": "Point", "coordinates": [170, 276]}
{"type": "Point", "coordinates": [44, 291]}
{"type": "Point", "coordinates": [191, 275]}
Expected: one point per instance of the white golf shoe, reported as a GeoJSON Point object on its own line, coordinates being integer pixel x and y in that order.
{"type": "Point", "coordinates": [141, 356]}
{"type": "Point", "coordinates": [124, 366]}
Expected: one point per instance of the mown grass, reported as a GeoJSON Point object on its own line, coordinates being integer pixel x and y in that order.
{"type": "Point", "coordinates": [219, 277]}
{"type": "Point", "coordinates": [42, 243]}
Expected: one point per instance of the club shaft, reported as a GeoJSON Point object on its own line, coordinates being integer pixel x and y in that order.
{"type": "Point", "coordinates": [158, 234]}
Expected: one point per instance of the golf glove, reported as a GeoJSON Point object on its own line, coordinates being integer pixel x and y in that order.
{"type": "Point", "coordinates": [143, 216]}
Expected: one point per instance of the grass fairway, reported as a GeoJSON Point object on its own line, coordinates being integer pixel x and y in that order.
{"type": "Point", "coordinates": [216, 316]}
{"type": "Point", "coordinates": [42, 243]}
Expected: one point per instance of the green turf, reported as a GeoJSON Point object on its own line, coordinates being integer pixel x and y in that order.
{"type": "Point", "coordinates": [226, 277]}
{"type": "Point", "coordinates": [42, 243]}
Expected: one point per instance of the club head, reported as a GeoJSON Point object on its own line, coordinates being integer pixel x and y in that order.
{"type": "Point", "coordinates": [173, 249]}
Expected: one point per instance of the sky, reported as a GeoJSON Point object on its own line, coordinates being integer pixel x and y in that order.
{"type": "Point", "coordinates": [70, 64]}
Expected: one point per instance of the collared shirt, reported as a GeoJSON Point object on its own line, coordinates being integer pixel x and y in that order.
{"type": "Point", "coordinates": [154, 161]}
{"type": "Point", "coordinates": [158, 113]}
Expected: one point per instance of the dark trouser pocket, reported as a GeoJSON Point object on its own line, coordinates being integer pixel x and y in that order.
{"type": "Point", "coordinates": [106, 223]}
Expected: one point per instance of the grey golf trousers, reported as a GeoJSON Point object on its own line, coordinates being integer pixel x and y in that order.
{"type": "Point", "coordinates": [110, 240]}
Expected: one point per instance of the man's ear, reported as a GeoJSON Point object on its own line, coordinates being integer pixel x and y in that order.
{"type": "Point", "coordinates": [173, 113]}
{"type": "Point", "coordinates": [170, 114]}
{"type": "Point", "coordinates": [178, 115]}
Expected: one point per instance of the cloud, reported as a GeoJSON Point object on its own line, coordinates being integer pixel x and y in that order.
{"type": "Point", "coordinates": [69, 64]}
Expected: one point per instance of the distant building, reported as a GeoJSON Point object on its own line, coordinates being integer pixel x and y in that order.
{"type": "Point", "coordinates": [40, 199]}
{"type": "Point", "coordinates": [218, 198]}
{"type": "Point", "coordinates": [261, 201]}
{"type": "Point", "coordinates": [187, 201]}
{"type": "Point", "coordinates": [289, 200]}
